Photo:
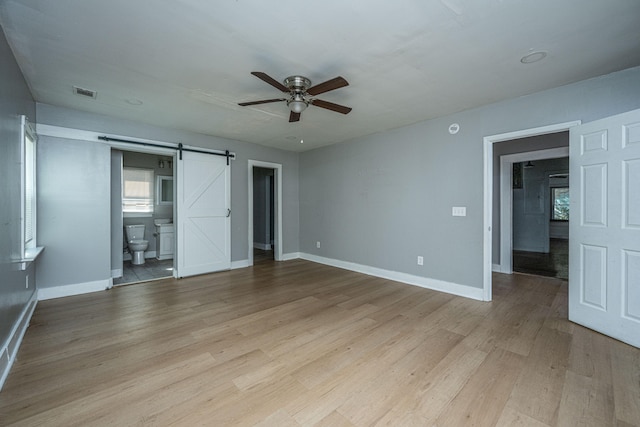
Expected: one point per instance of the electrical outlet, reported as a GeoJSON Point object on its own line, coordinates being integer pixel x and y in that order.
{"type": "Point", "coordinates": [318, 244]}
{"type": "Point", "coordinates": [420, 260]}
{"type": "Point", "coordinates": [459, 211]}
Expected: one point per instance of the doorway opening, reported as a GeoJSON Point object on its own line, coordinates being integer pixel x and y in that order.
{"type": "Point", "coordinates": [265, 212]}
{"type": "Point", "coordinates": [497, 248]}
{"type": "Point", "coordinates": [142, 208]}
{"type": "Point", "coordinates": [539, 215]}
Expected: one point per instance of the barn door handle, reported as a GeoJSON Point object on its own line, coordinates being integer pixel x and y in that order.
{"type": "Point", "coordinates": [228, 213]}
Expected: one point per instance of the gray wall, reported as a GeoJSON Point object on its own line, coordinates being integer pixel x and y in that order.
{"type": "Point", "coordinates": [384, 199]}
{"type": "Point", "coordinates": [74, 212]}
{"type": "Point", "coordinates": [59, 116]}
{"type": "Point", "coordinates": [15, 100]}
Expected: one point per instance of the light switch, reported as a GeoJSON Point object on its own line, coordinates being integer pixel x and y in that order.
{"type": "Point", "coordinates": [459, 211]}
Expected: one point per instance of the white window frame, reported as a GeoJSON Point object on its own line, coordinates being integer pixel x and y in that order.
{"type": "Point", "coordinates": [133, 214]}
{"type": "Point", "coordinates": [28, 184]}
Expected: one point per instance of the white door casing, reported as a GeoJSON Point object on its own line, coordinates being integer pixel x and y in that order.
{"type": "Point", "coordinates": [604, 226]}
{"type": "Point", "coordinates": [203, 223]}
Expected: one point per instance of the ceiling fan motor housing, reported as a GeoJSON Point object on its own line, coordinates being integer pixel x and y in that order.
{"type": "Point", "coordinates": [297, 83]}
{"type": "Point", "coordinates": [298, 86]}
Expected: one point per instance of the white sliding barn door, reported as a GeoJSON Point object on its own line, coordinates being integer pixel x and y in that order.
{"type": "Point", "coordinates": [203, 212]}
{"type": "Point", "coordinates": [604, 231]}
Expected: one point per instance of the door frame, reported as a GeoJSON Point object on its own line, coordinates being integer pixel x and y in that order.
{"type": "Point", "coordinates": [488, 142]}
{"type": "Point", "coordinates": [277, 208]}
{"type": "Point", "coordinates": [506, 199]}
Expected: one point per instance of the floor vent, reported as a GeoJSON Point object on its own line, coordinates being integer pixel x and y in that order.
{"type": "Point", "coordinates": [85, 92]}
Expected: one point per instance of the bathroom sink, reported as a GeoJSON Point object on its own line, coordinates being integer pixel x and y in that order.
{"type": "Point", "coordinates": [161, 221]}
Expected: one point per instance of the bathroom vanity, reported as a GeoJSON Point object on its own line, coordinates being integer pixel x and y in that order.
{"type": "Point", "coordinates": [165, 240]}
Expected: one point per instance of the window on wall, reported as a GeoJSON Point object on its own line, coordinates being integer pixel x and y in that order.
{"type": "Point", "coordinates": [137, 191]}
{"type": "Point", "coordinates": [28, 185]}
{"type": "Point", "coordinates": [560, 204]}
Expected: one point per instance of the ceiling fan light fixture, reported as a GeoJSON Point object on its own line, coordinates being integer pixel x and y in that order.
{"type": "Point", "coordinates": [297, 104]}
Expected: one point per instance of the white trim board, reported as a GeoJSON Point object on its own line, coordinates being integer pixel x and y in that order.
{"type": "Point", "coordinates": [243, 263]}
{"type": "Point", "coordinates": [488, 142]}
{"type": "Point", "coordinates": [75, 289]}
{"type": "Point", "coordinates": [10, 347]}
{"type": "Point", "coordinates": [168, 148]}
{"type": "Point", "coordinates": [291, 256]}
{"type": "Point", "coordinates": [410, 279]}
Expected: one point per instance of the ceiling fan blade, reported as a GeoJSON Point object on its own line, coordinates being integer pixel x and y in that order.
{"type": "Point", "coordinates": [294, 117]}
{"type": "Point", "coordinates": [265, 101]}
{"type": "Point", "coordinates": [268, 79]}
{"type": "Point", "coordinates": [331, 106]}
{"type": "Point", "coordinates": [332, 84]}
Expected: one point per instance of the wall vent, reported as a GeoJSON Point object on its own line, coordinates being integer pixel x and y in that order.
{"type": "Point", "coordinates": [85, 92]}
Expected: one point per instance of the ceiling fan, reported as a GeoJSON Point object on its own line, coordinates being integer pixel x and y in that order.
{"type": "Point", "coordinates": [301, 94]}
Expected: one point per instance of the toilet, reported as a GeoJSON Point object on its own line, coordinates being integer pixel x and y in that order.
{"type": "Point", "coordinates": [137, 244]}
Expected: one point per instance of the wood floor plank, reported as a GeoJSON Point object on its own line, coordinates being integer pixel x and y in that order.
{"type": "Point", "coordinates": [301, 344]}
{"type": "Point", "coordinates": [370, 402]}
{"type": "Point", "coordinates": [538, 390]}
{"type": "Point", "coordinates": [422, 405]}
{"type": "Point", "coordinates": [512, 418]}
{"type": "Point", "coordinates": [334, 419]}
{"type": "Point", "coordinates": [626, 382]}
{"type": "Point", "coordinates": [483, 398]}
{"type": "Point", "coordinates": [586, 401]}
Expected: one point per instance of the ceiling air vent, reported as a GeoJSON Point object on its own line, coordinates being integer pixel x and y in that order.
{"type": "Point", "coordinates": [85, 92]}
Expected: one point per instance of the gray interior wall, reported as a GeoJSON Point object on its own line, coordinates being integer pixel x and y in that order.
{"type": "Point", "coordinates": [384, 199]}
{"type": "Point", "coordinates": [15, 100]}
{"type": "Point", "coordinates": [521, 145]}
{"type": "Point", "coordinates": [74, 212]}
{"type": "Point", "coordinates": [59, 116]}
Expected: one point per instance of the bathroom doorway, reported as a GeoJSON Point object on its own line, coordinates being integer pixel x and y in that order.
{"type": "Point", "coordinates": [142, 211]}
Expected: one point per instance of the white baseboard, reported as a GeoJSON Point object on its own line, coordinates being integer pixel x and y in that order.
{"type": "Point", "coordinates": [75, 289]}
{"type": "Point", "coordinates": [290, 256]}
{"type": "Point", "coordinates": [410, 279]}
{"type": "Point", "coordinates": [10, 347]}
{"type": "Point", "coordinates": [116, 273]}
{"type": "Point", "coordinates": [496, 268]}
{"type": "Point", "coordinates": [243, 263]}
{"type": "Point", "coordinates": [262, 246]}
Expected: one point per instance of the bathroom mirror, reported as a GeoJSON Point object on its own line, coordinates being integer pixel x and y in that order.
{"type": "Point", "coordinates": [164, 190]}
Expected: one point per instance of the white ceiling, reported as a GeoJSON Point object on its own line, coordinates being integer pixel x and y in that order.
{"type": "Point", "coordinates": [189, 61]}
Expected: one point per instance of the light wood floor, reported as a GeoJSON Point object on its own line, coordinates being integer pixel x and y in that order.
{"type": "Point", "coordinates": [301, 344]}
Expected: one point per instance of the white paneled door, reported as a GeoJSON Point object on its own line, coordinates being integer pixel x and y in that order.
{"type": "Point", "coordinates": [604, 230]}
{"type": "Point", "coordinates": [203, 214]}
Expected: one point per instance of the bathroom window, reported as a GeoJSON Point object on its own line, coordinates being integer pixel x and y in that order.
{"type": "Point", "coordinates": [137, 191]}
